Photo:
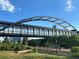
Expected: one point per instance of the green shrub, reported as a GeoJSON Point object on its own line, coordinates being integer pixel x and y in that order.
{"type": "Point", "coordinates": [5, 46]}
{"type": "Point", "coordinates": [75, 49]}
{"type": "Point", "coordinates": [28, 47]}
{"type": "Point", "coordinates": [19, 46]}
{"type": "Point", "coordinates": [12, 46]}
{"type": "Point", "coordinates": [75, 52]}
{"type": "Point", "coordinates": [34, 50]}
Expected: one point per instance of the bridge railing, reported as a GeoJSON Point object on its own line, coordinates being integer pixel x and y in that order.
{"type": "Point", "coordinates": [36, 31]}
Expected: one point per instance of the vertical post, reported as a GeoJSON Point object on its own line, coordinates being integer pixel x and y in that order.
{"type": "Point", "coordinates": [56, 47]}
{"type": "Point", "coordinates": [39, 31]}
{"type": "Point", "coordinates": [20, 29]}
{"type": "Point", "coordinates": [52, 32]}
{"type": "Point", "coordinates": [4, 30]}
{"type": "Point", "coordinates": [62, 33]}
{"type": "Point", "coordinates": [8, 30]}
{"type": "Point", "coordinates": [44, 32]}
{"type": "Point", "coordinates": [59, 33]}
{"type": "Point", "coordinates": [27, 31]}
{"type": "Point", "coordinates": [33, 31]}
{"type": "Point", "coordinates": [65, 33]}
{"type": "Point", "coordinates": [12, 29]}
{"type": "Point", "coordinates": [48, 32]}
{"type": "Point", "coordinates": [24, 30]}
{"type": "Point", "coordinates": [55, 32]}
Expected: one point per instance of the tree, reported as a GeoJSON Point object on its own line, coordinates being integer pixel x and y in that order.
{"type": "Point", "coordinates": [34, 42]}
{"type": "Point", "coordinates": [25, 41]}
{"type": "Point", "coordinates": [74, 40]}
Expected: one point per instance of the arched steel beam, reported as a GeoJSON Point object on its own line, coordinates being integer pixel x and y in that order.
{"type": "Point", "coordinates": [44, 18]}
{"type": "Point", "coordinates": [47, 18]}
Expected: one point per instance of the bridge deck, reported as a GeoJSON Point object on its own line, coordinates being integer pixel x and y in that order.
{"type": "Point", "coordinates": [13, 29]}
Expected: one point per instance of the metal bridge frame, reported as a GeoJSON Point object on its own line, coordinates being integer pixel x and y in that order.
{"type": "Point", "coordinates": [8, 28]}
{"type": "Point", "coordinates": [56, 20]}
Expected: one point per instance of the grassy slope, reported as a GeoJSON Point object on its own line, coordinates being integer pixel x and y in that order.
{"type": "Point", "coordinates": [11, 55]}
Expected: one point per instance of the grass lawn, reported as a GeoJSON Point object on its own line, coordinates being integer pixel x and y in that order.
{"type": "Point", "coordinates": [12, 55]}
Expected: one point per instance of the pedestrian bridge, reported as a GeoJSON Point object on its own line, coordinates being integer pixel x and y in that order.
{"type": "Point", "coordinates": [19, 29]}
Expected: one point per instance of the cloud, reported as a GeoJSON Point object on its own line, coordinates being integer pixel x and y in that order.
{"type": "Point", "coordinates": [6, 6]}
{"type": "Point", "coordinates": [69, 7]}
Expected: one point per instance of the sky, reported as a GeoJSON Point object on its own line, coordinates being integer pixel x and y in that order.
{"type": "Point", "coordinates": [15, 10]}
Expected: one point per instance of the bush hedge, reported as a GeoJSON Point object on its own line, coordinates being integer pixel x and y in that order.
{"type": "Point", "coordinates": [75, 52]}
{"type": "Point", "coordinates": [13, 46]}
